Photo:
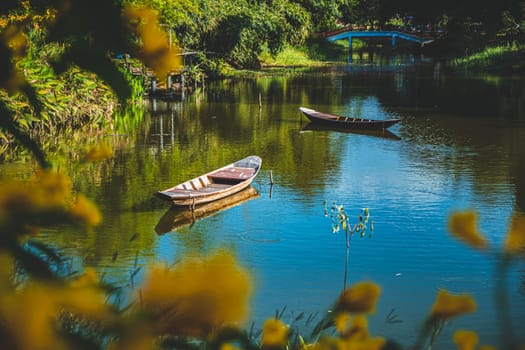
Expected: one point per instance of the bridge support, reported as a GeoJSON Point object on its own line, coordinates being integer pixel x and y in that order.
{"type": "Point", "coordinates": [393, 41]}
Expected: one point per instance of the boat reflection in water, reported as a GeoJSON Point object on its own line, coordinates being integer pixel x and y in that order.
{"type": "Point", "coordinates": [177, 217]}
{"type": "Point", "coordinates": [387, 134]}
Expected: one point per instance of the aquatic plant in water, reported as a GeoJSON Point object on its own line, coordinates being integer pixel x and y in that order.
{"type": "Point", "coordinates": [341, 222]}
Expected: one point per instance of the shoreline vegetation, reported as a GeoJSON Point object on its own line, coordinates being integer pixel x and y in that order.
{"type": "Point", "coordinates": [505, 60]}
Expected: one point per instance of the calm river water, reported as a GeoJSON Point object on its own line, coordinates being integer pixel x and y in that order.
{"type": "Point", "coordinates": [460, 145]}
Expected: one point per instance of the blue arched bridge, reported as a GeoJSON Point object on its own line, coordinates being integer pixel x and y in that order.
{"type": "Point", "coordinates": [349, 33]}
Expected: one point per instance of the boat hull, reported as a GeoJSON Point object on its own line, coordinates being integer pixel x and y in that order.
{"type": "Point", "coordinates": [346, 122]}
{"type": "Point", "coordinates": [177, 217]}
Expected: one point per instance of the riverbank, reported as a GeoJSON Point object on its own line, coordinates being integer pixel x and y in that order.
{"type": "Point", "coordinates": [506, 60]}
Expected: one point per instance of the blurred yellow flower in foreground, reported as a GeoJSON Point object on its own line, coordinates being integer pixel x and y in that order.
{"type": "Point", "coordinates": [465, 340]}
{"type": "Point", "coordinates": [463, 225]}
{"type": "Point", "coordinates": [30, 315]}
{"type": "Point", "coordinates": [274, 334]}
{"type": "Point", "coordinates": [359, 298]}
{"type": "Point", "coordinates": [13, 38]}
{"type": "Point", "coordinates": [99, 152]}
{"type": "Point", "coordinates": [341, 321]}
{"type": "Point", "coordinates": [198, 295]}
{"type": "Point", "coordinates": [490, 347]}
{"type": "Point", "coordinates": [448, 305]}
{"type": "Point", "coordinates": [229, 346]}
{"type": "Point", "coordinates": [155, 51]}
{"type": "Point", "coordinates": [88, 278]}
{"type": "Point", "coordinates": [85, 211]}
{"type": "Point", "coordinates": [44, 200]}
{"type": "Point", "coordinates": [515, 239]}
{"type": "Point", "coordinates": [55, 187]}
{"type": "Point", "coordinates": [332, 343]}
{"type": "Point", "coordinates": [6, 272]}
{"type": "Point", "coordinates": [358, 329]}
{"type": "Point", "coordinates": [47, 191]}
{"type": "Point", "coordinates": [134, 339]}
{"type": "Point", "coordinates": [353, 329]}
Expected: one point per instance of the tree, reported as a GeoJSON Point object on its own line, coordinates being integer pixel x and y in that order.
{"type": "Point", "coordinates": [81, 42]}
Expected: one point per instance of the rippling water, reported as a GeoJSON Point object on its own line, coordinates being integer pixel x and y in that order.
{"type": "Point", "coordinates": [459, 145]}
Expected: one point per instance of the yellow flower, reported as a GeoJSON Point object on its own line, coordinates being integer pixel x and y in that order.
{"type": "Point", "coordinates": [487, 347]}
{"type": "Point", "coordinates": [359, 298]}
{"type": "Point", "coordinates": [6, 272]}
{"type": "Point", "coordinates": [463, 225]}
{"type": "Point", "coordinates": [88, 278]}
{"type": "Point", "coordinates": [15, 38]}
{"type": "Point", "coordinates": [28, 319]}
{"type": "Point", "coordinates": [448, 305]}
{"type": "Point", "coordinates": [275, 333]}
{"type": "Point", "coordinates": [99, 152]}
{"type": "Point", "coordinates": [515, 240]}
{"type": "Point", "coordinates": [29, 315]}
{"type": "Point", "coordinates": [358, 329]}
{"type": "Point", "coordinates": [85, 211]}
{"type": "Point", "coordinates": [197, 295]}
{"type": "Point", "coordinates": [155, 51]}
{"type": "Point", "coordinates": [26, 204]}
{"type": "Point", "coordinates": [331, 343]}
{"type": "Point", "coordinates": [138, 339]}
{"type": "Point", "coordinates": [54, 188]}
{"type": "Point", "coordinates": [341, 321]}
{"type": "Point", "coordinates": [47, 191]}
{"type": "Point", "coordinates": [465, 340]}
{"type": "Point", "coordinates": [229, 346]}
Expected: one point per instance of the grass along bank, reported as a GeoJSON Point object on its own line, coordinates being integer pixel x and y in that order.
{"type": "Point", "coordinates": [498, 59]}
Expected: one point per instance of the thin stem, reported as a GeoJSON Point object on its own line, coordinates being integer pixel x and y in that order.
{"type": "Point", "coordinates": [346, 268]}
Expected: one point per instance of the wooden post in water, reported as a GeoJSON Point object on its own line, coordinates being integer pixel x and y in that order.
{"type": "Point", "coordinates": [153, 85]}
{"type": "Point", "coordinates": [260, 101]}
{"type": "Point", "coordinates": [168, 82]}
{"type": "Point", "coordinates": [271, 184]}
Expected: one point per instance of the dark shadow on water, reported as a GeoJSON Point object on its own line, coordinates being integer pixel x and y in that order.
{"type": "Point", "coordinates": [177, 217]}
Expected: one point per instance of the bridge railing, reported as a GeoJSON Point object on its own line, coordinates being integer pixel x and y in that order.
{"type": "Point", "coordinates": [431, 34]}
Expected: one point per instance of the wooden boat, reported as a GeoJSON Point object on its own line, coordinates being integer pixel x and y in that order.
{"type": "Point", "coordinates": [347, 122]}
{"type": "Point", "coordinates": [214, 185]}
{"type": "Point", "coordinates": [178, 217]}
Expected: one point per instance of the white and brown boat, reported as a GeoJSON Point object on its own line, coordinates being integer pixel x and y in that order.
{"type": "Point", "coordinates": [347, 122]}
{"type": "Point", "coordinates": [214, 185]}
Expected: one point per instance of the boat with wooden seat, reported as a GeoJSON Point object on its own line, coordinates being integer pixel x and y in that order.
{"type": "Point", "coordinates": [347, 122]}
{"type": "Point", "coordinates": [214, 185]}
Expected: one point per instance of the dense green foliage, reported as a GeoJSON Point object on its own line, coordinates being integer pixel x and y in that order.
{"type": "Point", "coordinates": [57, 68]}
{"type": "Point", "coordinates": [238, 32]}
